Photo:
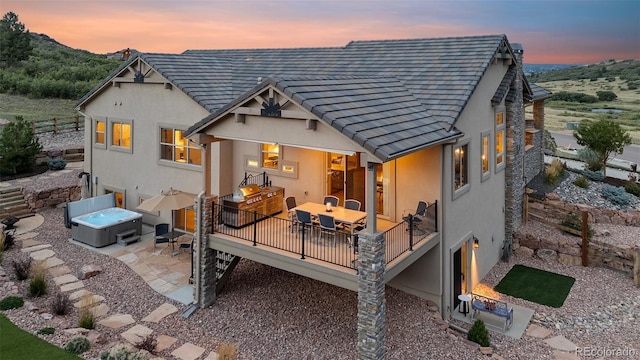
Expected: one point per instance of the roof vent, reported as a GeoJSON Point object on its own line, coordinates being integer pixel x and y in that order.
{"type": "Point", "coordinates": [259, 79]}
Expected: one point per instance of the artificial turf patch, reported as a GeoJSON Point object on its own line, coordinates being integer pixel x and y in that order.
{"type": "Point", "coordinates": [539, 286]}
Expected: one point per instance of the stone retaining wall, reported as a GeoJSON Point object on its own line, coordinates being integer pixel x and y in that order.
{"type": "Point", "coordinates": [596, 215]}
{"type": "Point", "coordinates": [567, 249]}
{"type": "Point", "coordinates": [48, 198]}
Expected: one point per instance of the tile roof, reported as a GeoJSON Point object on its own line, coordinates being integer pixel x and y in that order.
{"type": "Point", "coordinates": [439, 75]}
{"type": "Point", "coordinates": [377, 113]}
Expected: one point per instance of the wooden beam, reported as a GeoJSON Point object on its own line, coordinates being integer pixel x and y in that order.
{"type": "Point", "coordinates": [312, 124]}
{"type": "Point", "coordinates": [240, 118]}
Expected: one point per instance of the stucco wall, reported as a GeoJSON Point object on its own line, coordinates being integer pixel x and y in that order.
{"type": "Point", "coordinates": [141, 172]}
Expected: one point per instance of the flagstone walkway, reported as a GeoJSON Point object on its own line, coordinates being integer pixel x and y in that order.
{"type": "Point", "coordinates": [164, 275]}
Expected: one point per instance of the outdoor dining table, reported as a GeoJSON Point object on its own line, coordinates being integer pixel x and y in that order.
{"type": "Point", "coordinates": [341, 215]}
{"type": "Point", "coordinates": [172, 235]}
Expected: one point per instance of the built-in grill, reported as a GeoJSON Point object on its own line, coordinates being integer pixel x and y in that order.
{"type": "Point", "coordinates": [250, 200]}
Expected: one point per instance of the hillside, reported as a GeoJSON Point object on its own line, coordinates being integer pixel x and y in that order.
{"type": "Point", "coordinates": [627, 70]}
{"type": "Point", "coordinates": [55, 70]}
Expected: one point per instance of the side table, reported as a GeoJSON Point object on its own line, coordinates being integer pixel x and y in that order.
{"type": "Point", "coordinates": [465, 300]}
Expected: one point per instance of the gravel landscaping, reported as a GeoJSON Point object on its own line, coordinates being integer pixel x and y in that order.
{"type": "Point", "coordinates": [273, 314]}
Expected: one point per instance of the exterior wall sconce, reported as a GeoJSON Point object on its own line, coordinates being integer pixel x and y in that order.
{"type": "Point", "coordinates": [476, 242]}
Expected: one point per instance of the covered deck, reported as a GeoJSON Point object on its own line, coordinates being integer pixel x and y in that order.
{"type": "Point", "coordinates": [332, 258]}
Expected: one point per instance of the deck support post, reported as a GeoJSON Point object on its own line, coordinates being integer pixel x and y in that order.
{"type": "Point", "coordinates": [206, 262]}
{"type": "Point", "coordinates": [371, 300]}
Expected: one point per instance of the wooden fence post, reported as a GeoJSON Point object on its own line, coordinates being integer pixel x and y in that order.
{"type": "Point", "coordinates": [636, 268]}
{"type": "Point", "coordinates": [55, 125]}
{"type": "Point", "coordinates": [585, 238]}
{"type": "Point", "coordinates": [77, 122]}
{"type": "Point", "coordinates": [33, 126]}
{"type": "Point", "coordinates": [525, 208]}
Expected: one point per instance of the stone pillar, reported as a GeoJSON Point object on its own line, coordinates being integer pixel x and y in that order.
{"type": "Point", "coordinates": [538, 114]}
{"type": "Point", "coordinates": [514, 176]}
{"type": "Point", "coordinates": [206, 262]}
{"type": "Point", "coordinates": [371, 300]}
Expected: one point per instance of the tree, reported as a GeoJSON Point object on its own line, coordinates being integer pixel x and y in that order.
{"type": "Point", "coordinates": [15, 42]}
{"type": "Point", "coordinates": [606, 95]}
{"type": "Point", "coordinates": [18, 147]}
{"type": "Point", "coordinates": [604, 137]}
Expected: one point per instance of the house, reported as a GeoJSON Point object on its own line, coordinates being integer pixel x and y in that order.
{"type": "Point", "coordinates": [389, 123]}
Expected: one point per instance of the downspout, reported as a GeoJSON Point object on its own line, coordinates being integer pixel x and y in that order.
{"type": "Point", "coordinates": [91, 184]}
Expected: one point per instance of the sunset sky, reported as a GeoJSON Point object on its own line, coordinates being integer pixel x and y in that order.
{"type": "Point", "coordinates": [551, 31]}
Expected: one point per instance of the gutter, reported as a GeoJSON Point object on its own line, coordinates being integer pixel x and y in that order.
{"type": "Point", "coordinates": [196, 280]}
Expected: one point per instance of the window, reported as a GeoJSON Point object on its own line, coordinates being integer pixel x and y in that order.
{"type": "Point", "coordinates": [175, 147]}
{"type": "Point", "coordinates": [460, 166]}
{"type": "Point", "coordinates": [484, 155]}
{"type": "Point", "coordinates": [121, 134]}
{"type": "Point", "coordinates": [185, 219]}
{"type": "Point", "coordinates": [500, 141]}
{"type": "Point", "coordinates": [99, 136]}
{"type": "Point", "coordinates": [270, 155]}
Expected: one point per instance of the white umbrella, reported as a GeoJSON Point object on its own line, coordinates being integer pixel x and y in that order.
{"type": "Point", "coordinates": [168, 200]}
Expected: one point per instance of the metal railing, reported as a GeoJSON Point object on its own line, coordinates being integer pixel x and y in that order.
{"type": "Point", "coordinates": [336, 247]}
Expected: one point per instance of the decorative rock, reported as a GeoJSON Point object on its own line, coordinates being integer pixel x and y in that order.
{"type": "Point", "coordinates": [88, 271]}
{"type": "Point", "coordinates": [537, 331]}
{"type": "Point", "coordinates": [96, 338]}
{"type": "Point", "coordinates": [76, 331]}
{"type": "Point", "coordinates": [486, 350]}
{"type": "Point", "coordinates": [46, 316]}
{"type": "Point", "coordinates": [100, 310]}
{"type": "Point", "coordinates": [164, 342]}
{"type": "Point", "coordinates": [561, 343]}
{"type": "Point", "coordinates": [136, 334]}
{"type": "Point", "coordinates": [524, 252]}
{"type": "Point", "coordinates": [547, 255]}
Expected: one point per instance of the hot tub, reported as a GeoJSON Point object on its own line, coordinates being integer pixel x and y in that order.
{"type": "Point", "coordinates": [100, 228]}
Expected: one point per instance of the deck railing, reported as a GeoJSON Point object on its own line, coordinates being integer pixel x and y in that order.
{"type": "Point", "coordinates": [337, 248]}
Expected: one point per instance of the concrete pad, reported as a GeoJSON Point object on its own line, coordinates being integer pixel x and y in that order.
{"type": "Point", "coordinates": [538, 331]}
{"type": "Point", "coordinates": [561, 355]}
{"type": "Point", "coordinates": [59, 271]}
{"type": "Point", "coordinates": [188, 351]}
{"type": "Point", "coordinates": [161, 286]}
{"type": "Point", "coordinates": [72, 286]}
{"type": "Point", "coordinates": [64, 279]}
{"type": "Point", "coordinates": [27, 242]}
{"type": "Point", "coordinates": [35, 248]}
{"type": "Point", "coordinates": [42, 254]}
{"type": "Point", "coordinates": [88, 300]}
{"type": "Point", "coordinates": [136, 334]}
{"type": "Point", "coordinates": [160, 313]}
{"type": "Point", "coordinates": [117, 321]}
{"type": "Point", "coordinates": [52, 261]}
{"type": "Point", "coordinates": [561, 343]}
{"type": "Point", "coordinates": [164, 342]}
{"type": "Point", "coordinates": [183, 294]}
{"type": "Point", "coordinates": [100, 310]}
{"type": "Point", "coordinates": [78, 294]}
{"type": "Point", "coordinates": [212, 356]}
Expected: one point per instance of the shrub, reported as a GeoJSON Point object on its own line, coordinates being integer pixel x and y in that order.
{"type": "Point", "coordinates": [554, 172]}
{"type": "Point", "coordinates": [60, 304]}
{"type": "Point", "coordinates": [46, 331]}
{"type": "Point", "coordinates": [574, 221]}
{"type": "Point", "coordinates": [56, 164]}
{"type": "Point", "coordinates": [87, 318]}
{"type": "Point", "coordinates": [149, 344]}
{"type": "Point", "coordinates": [632, 188]}
{"type": "Point", "coordinates": [606, 95]}
{"type": "Point", "coordinates": [122, 352]}
{"type": "Point", "coordinates": [592, 175]}
{"type": "Point", "coordinates": [11, 302]}
{"type": "Point", "coordinates": [18, 147]}
{"type": "Point", "coordinates": [479, 334]}
{"type": "Point", "coordinates": [78, 345]}
{"type": "Point", "coordinates": [38, 283]}
{"type": "Point", "coordinates": [227, 351]}
{"type": "Point", "coordinates": [591, 158]}
{"type": "Point", "coordinates": [7, 238]}
{"type": "Point", "coordinates": [581, 182]}
{"type": "Point", "coordinates": [22, 267]}
{"type": "Point", "coordinates": [616, 195]}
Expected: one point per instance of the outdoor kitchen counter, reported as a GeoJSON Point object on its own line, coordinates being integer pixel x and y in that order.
{"type": "Point", "coordinates": [238, 211]}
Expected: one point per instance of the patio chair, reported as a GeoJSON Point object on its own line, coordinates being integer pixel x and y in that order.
{"type": "Point", "coordinates": [290, 201]}
{"type": "Point", "coordinates": [303, 220]}
{"type": "Point", "coordinates": [352, 204]}
{"type": "Point", "coordinates": [332, 199]}
{"type": "Point", "coordinates": [327, 226]}
{"type": "Point", "coordinates": [161, 229]}
{"type": "Point", "coordinates": [185, 246]}
{"type": "Point", "coordinates": [418, 217]}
